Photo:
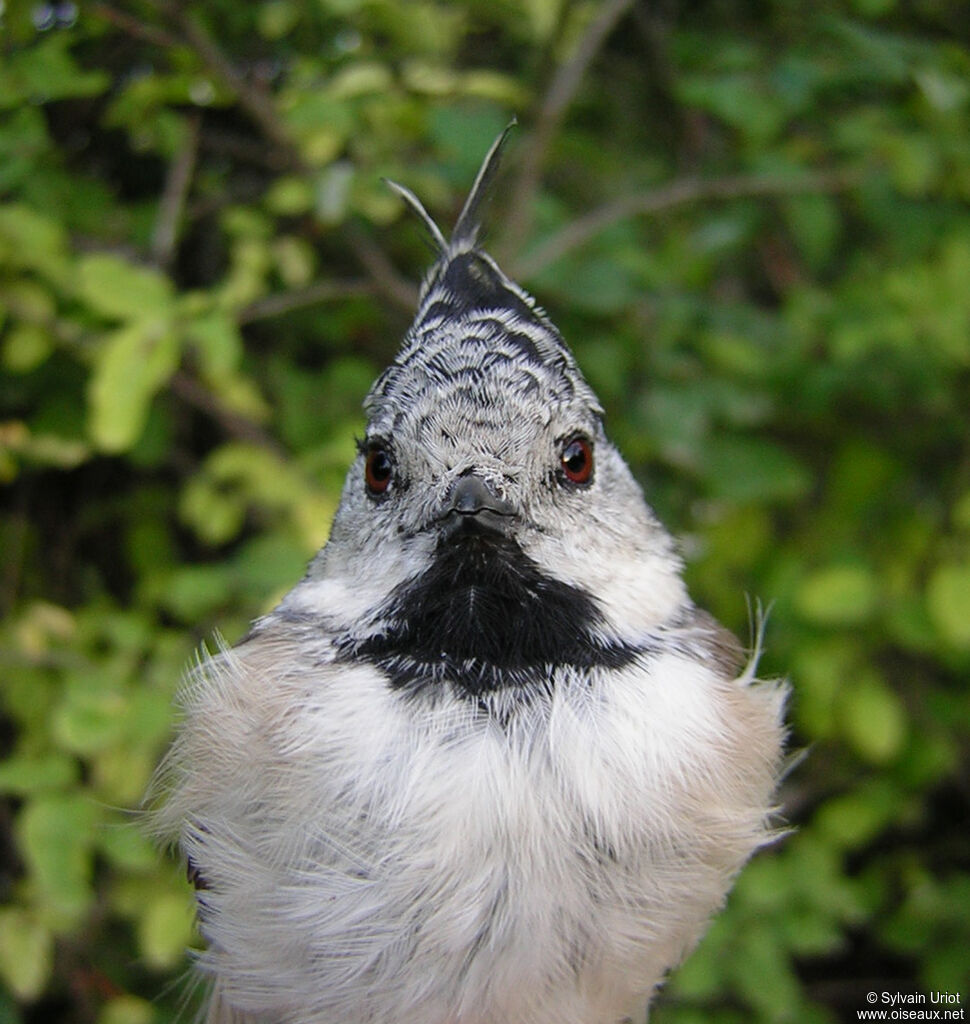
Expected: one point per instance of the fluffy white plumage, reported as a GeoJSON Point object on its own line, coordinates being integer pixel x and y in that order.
{"type": "Point", "coordinates": [486, 763]}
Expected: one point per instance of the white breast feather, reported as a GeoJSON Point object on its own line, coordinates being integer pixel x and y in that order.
{"type": "Point", "coordinates": [373, 860]}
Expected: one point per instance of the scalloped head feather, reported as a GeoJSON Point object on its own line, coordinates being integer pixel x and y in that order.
{"type": "Point", "coordinates": [474, 323]}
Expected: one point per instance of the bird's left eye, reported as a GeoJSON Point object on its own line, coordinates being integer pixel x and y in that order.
{"type": "Point", "coordinates": [577, 461]}
{"type": "Point", "coordinates": [378, 470]}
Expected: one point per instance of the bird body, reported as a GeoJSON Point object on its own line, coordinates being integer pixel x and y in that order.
{"type": "Point", "coordinates": [486, 763]}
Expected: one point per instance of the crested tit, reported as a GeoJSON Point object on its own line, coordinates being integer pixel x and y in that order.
{"type": "Point", "coordinates": [486, 763]}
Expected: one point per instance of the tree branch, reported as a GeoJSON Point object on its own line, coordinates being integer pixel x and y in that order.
{"type": "Point", "coordinates": [193, 393]}
{"type": "Point", "coordinates": [172, 204]}
{"type": "Point", "coordinates": [255, 101]}
{"type": "Point", "coordinates": [372, 258]}
{"type": "Point", "coordinates": [287, 302]}
{"type": "Point", "coordinates": [565, 82]}
{"type": "Point", "coordinates": [677, 193]}
{"type": "Point", "coordinates": [260, 106]}
{"type": "Point", "coordinates": [136, 29]}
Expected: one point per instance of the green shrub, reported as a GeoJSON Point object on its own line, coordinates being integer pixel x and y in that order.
{"type": "Point", "coordinates": [752, 222]}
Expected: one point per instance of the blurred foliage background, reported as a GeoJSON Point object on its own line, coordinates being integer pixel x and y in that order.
{"type": "Point", "coordinates": [751, 220]}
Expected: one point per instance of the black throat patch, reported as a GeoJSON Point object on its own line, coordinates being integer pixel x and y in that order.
{"type": "Point", "coordinates": [483, 618]}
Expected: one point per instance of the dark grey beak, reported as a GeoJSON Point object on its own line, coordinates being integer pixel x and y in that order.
{"type": "Point", "coordinates": [473, 507]}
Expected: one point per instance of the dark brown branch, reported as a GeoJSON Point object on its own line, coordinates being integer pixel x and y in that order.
{"type": "Point", "coordinates": [133, 27]}
{"type": "Point", "coordinates": [248, 149]}
{"type": "Point", "coordinates": [677, 193]}
{"type": "Point", "coordinates": [372, 258]}
{"type": "Point", "coordinates": [565, 82]}
{"type": "Point", "coordinates": [287, 302]}
{"type": "Point", "coordinates": [246, 191]}
{"type": "Point", "coordinates": [15, 545]}
{"type": "Point", "coordinates": [193, 393]}
{"type": "Point", "coordinates": [255, 101]}
{"type": "Point", "coordinates": [172, 204]}
{"type": "Point", "coordinates": [260, 106]}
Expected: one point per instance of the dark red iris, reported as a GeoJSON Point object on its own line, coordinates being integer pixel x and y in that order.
{"type": "Point", "coordinates": [577, 461]}
{"type": "Point", "coordinates": [378, 469]}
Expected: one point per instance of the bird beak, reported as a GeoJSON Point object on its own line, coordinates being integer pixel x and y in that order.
{"type": "Point", "coordinates": [473, 507]}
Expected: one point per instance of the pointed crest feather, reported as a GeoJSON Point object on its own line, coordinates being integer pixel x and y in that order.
{"type": "Point", "coordinates": [418, 208]}
{"type": "Point", "coordinates": [466, 228]}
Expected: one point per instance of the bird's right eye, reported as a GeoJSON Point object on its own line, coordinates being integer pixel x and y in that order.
{"type": "Point", "coordinates": [378, 470]}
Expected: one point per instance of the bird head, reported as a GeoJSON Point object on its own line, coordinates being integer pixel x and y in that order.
{"type": "Point", "coordinates": [487, 516]}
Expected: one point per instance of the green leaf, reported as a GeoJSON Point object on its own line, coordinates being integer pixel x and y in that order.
{"type": "Point", "coordinates": [23, 141]}
{"type": "Point", "coordinates": [120, 290]}
{"type": "Point", "coordinates": [763, 977]}
{"type": "Point", "coordinates": [743, 470]}
{"type": "Point", "coordinates": [740, 100]}
{"type": "Point", "coordinates": [542, 16]}
{"type": "Point", "coordinates": [857, 817]}
{"type": "Point", "coordinates": [295, 261]}
{"type": "Point", "coordinates": [815, 224]}
{"type": "Point", "coordinates": [810, 933]}
{"type": "Point", "coordinates": [600, 285]}
{"type": "Point", "coordinates": [165, 929]}
{"type": "Point", "coordinates": [127, 1010]}
{"type": "Point", "coordinates": [131, 367]}
{"type": "Point", "coordinates": [873, 718]}
{"type": "Point", "coordinates": [961, 512]}
{"type": "Point", "coordinates": [28, 300]}
{"type": "Point", "coordinates": [270, 563]}
{"type": "Point", "coordinates": [34, 240]}
{"type": "Point", "coordinates": [838, 595]}
{"type": "Point", "coordinates": [320, 122]}
{"type": "Point", "coordinates": [289, 196]}
{"type": "Point", "coordinates": [821, 668]}
{"type": "Point", "coordinates": [47, 72]}
{"type": "Point", "coordinates": [25, 775]}
{"type": "Point", "coordinates": [56, 834]}
{"type": "Point", "coordinates": [277, 18]}
{"type": "Point", "coordinates": [360, 79]}
{"type": "Point", "coordinates": [127, 847]}
{"type": "Point", "coordinates": [218, 344]}
{"type": "Point", "coordinates": [89, 719]}
{"type": "Point", "coordinates": [121, 773]}
{"type": "Point", "coordinates": [149, 717]}
{"type": "Point", "coordinates": [194, 592]}
{"type": "Point", "coordinates": [948, 603]}
{"type": "Point", "coordinates": [26, 953]}
{"type": "Point", "coordinates": [25, 347]}
{"type": "Point", "coordinates": [216, 517]}
{"type": "Point", "coordinates": [236, 475]}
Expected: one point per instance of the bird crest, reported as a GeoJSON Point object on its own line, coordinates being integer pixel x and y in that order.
{"type": "Point", "coordinates": [465, 233]}
{"type": "Point", "coordinates": [472, 317]}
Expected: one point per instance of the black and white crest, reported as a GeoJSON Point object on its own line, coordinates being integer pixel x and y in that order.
{"type": "Point", "coordinates": [474, 326]}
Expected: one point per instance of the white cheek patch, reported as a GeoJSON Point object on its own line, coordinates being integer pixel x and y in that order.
{"type": "Point", "coordinates": [637, 594]}
{"type": "Point", "coordinates": [346, 591]}
{"type": "Point", "coordinates": [334, 595]}
{"type": "Point", "coordinates": [637, 590]}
